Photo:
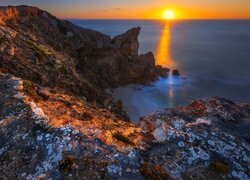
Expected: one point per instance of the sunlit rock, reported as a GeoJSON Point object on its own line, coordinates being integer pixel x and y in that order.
{"type": "Point", "coordinates": [199, 121]}
{"type": "Point", "coordinates": [11, 51]}
{"type": "Point", "coordinates": [159, 134]}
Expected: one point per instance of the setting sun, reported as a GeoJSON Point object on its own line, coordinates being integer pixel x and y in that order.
{"type": "Point", "coordinates": [169, 14]}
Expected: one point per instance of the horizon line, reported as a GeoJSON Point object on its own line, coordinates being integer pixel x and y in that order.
{"type": "Point", "coordinates": [191, 19]}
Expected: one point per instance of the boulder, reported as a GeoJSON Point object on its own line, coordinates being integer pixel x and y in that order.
{"type": "Point", "coordinates": [161, 71]}
{"type": "Point", "coordinates": [176, 72]}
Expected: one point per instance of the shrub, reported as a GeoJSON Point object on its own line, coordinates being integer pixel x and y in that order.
{"type": "Point", "coordinates": [64, 70]}
{"type": "Point", "coordinates": [29, 88]}
{"type": "Point", "coordinates": [37, 49]}
{"type": "Point", "coordinates": [62, 27]}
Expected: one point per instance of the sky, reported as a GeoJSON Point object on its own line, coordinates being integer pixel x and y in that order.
{"type": "Point", "coordinates": [140, 9]}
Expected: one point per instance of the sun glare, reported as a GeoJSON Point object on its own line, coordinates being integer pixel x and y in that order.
{"type": "Point", "coordinates": [169, 14]}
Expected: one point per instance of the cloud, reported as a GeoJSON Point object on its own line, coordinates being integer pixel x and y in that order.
{"type": "Point", "coordinates": [119, 9]}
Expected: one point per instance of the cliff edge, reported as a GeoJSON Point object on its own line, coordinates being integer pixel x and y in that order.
{"type": "Point", "coordinates": [37, 46]}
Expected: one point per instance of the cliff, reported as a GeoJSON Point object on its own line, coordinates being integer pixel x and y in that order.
{"type": "Point", "coordinates": [39, 47]}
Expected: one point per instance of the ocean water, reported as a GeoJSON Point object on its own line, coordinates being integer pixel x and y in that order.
{"type": "Point", "coordinates": [212, 56]}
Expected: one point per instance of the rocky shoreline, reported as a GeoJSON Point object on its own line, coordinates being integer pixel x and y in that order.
{"type": "Point", "coordinates": [41, 48]}
{"type": "Point", "coordinates": [57, 122]}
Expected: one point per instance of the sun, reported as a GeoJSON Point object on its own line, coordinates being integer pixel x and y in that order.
{"type": "Point", "coordinates": [169, 14]}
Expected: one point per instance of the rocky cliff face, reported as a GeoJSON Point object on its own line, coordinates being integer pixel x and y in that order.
{"type": "Point", "coordinates": [37, 46]}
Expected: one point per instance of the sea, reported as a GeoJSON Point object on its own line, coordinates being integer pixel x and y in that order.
{"type": "Point", "coordinates": [213, 57]}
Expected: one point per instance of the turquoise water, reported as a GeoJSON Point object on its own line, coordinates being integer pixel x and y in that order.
{"type": "Point", "coordinates": [212, 56]}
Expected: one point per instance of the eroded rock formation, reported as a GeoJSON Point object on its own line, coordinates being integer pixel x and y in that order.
{"type": "Point", "coordinates": [37, 46]}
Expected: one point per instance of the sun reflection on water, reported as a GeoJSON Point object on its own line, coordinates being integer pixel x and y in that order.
{"type": "Point", "coordinates": [163, 56]}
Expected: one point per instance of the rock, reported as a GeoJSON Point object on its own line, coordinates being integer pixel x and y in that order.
{"type": "Point", "coordinates": [176, 72]}
{"type": "Point", "coordinates": [163, 72]}
{"type": "Point", "coordinates": [2, 47]}
{"type": "Point", "coordinates": [159, 134]}
{"type": "Point", "coordinates": [201, 142]}
{"type": "Point", "coordinates": [32, 148]}
{"type": "Point", "coordinates": [147, 60]}
{"type": "Point", "coordinates": [51, 138]}
{"type": "Point", "coordinates": [11, 51]}
{"type": "Point", "coordinates": [70, 34]}
{"type": "Point", "coordinates": [43, 93]}
{"type": "Point", "coordinates": [119, 104]}
{"type": "Point", "coordinates": [108, 101]}
{"type": "Point", "coordinates": [143, 68]}
{"type": "Point", "coordinates": [85, 62]}
{"type": "Point", "coordinates": [128, 42]}
{"type": "Point", "coordinates": [199, 121]}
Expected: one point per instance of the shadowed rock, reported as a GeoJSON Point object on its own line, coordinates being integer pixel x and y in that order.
{"type": "Point", "coordinates": [128, 42]}
{"type": "Point", "coordinates": [57, 53]}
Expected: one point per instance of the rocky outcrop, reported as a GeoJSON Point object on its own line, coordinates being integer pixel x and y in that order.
{"type": "Point", "coordinates": [205, 140]}
{"type": "Point", "coordinates": [128, 42]}
{"type": "Point", "coordinates": [39, 47]}
{"type": "Point", "coordinates": [50, 134]}
{"type": "Point", "coordinates": [176, 72]}
{"type": "Point", "coordinates": [33, 147]}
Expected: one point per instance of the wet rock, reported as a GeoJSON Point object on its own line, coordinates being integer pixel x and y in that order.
{"type": "Point", "coordinates": [163, 72]}
{"type": "Point", "coordinates": [176, 72]}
